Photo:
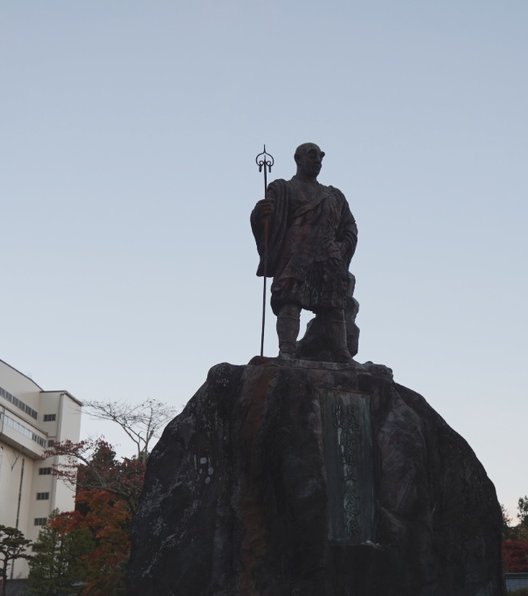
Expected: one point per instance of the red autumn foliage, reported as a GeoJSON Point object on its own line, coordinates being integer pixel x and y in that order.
{"type": "Point", "coordinates": [93, 465]}
{"type": "Point", "coordinates": [515, 555]}
{"type": "Point", "coordinates": [107, 495]}
{"type": "Point", "coordinates": [107, 518]}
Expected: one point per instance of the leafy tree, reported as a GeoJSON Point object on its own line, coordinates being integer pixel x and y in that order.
{"type": "Point", "coordinates": [84, 551]}
{"type": "Point", "coordinates": [93, 465]}
{"type": "Point", "coordinates": [515, 556]}
{"type": "Point", "coordinates": [108, 521]}
{"type": "Point", "coordinates": [58, 567]}
{"type": "Point", "coordinates": [107, 496]}
{"type": "Point", "coordinates": [13, 546]}
{"type": "Point", "coordinates": [141, 422]}
{"type": "Point", "coordinates": [515, 543]}
{"type": "Point", "coordinates": [522, 510]}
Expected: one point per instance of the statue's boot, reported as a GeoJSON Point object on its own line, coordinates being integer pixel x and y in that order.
{"type": "Point", "coordinates": [288, 322]}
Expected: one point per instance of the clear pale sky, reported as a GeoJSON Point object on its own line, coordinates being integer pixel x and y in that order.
{"type": "Point", "coordinates": [128, 134]}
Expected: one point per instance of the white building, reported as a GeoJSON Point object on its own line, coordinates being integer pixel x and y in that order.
{"type": "Point", "coordinates": [31, 419]}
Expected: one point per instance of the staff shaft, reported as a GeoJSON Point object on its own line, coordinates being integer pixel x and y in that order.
{"type": "Point", "coordinates": [264, 161]}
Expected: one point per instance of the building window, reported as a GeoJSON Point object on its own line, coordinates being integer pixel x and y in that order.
{"type": "Point", "coordinates": [22, 429]}
{"type": "Point", "coordinates": [42, 496]}
{"type": "Point", "coordinates": [50, 417]}
{"type": "Point", "coordinates": [39, 440]}
{"type": "Point", "coordinates": [18, 403]}
{"type": "Point", "coordinates": [44, 471]}
{"type": "Point", "coordinates": [40, 521]}
{"type": "Point", "coordinates": [51, 442]}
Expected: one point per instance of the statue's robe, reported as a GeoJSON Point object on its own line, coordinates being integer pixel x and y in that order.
{"type": "Point", "coordinates": [312, 236]}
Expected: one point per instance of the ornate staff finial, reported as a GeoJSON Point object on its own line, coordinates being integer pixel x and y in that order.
{"type": "Point", "coordinates": [264, 162]}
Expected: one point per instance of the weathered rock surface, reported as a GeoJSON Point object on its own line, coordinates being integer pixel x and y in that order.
{"type": "Point", "coordinates": [314, 479]}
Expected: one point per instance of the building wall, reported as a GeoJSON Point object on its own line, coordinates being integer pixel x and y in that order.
{"type": "Point", "coordinates": [30, 419]}
{"type": "Point", "coordinates": [516, 581]}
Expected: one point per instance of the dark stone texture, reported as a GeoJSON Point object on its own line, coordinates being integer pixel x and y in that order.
{"type": "Point", "coordinates": [314, 479]}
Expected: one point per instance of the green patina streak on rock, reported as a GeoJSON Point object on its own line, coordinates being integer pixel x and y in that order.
{"type": "Point", "coordinates": [347, 432]}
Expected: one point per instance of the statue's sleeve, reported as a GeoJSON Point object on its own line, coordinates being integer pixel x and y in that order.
{"type": "Point", "coordinates": [277, 193]}
{"type": "Point", "coordinates": [347, 233]}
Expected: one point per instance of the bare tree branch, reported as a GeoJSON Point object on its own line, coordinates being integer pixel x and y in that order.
{"type": "Point", "coordinates": [141, 422]}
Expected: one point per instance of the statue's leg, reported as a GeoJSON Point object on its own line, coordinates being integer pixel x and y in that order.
{"type": "Point", "coordinates": [288, 321]}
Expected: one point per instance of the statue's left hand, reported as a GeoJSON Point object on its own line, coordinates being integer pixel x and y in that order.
{"type": "Point", "coordinates": [264, 208]}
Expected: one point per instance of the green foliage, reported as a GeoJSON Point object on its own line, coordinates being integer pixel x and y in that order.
{"type": "Point", "coordinates": [86, 551]}
{"type": "Point", "coordinates": [522, 510]}
{"type": "Point", "coordinates": [515, 541]}
{"type": "Point", "coordinates": [518, 532]}
{"type": "Point", "coordinates": [58, 566]}
{"type": "Point", "coordinates": [13, 546]}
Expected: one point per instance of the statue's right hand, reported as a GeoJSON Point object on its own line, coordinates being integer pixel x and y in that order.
{"type": "Point", "coordinates": [264, 208]}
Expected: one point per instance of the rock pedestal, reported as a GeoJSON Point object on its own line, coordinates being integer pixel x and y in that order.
{"type": "Point", "coordinates": [314, 479]}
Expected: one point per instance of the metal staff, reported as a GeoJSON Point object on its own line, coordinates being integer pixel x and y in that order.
{"type": "Point", "coordinates": [264, 161]}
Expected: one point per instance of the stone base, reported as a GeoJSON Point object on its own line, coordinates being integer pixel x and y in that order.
{"type": "Point", "coordinates": [317, 479]}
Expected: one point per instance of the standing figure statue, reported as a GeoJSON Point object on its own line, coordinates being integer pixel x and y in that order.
{"type": "Point", "coordinates": [312, 236]}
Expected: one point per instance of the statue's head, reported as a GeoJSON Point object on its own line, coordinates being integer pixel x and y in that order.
{"type": "Point", "coordinates": [309, 159]}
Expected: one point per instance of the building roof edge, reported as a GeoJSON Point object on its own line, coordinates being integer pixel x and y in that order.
{"type": "Point", "coordinates": [21, 373]}
{"type": "Point", "coordinates": [72, 397]}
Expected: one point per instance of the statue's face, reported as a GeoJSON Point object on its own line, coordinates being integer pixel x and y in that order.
{"type": "Point", "coordinates": [310, 160]}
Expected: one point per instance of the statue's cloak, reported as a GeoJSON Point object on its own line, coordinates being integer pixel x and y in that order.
{"type": "Point", "coordinates": [312, 236]}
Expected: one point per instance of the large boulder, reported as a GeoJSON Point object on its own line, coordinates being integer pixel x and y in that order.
{"type": "Point", "coordinates": [315, 479]}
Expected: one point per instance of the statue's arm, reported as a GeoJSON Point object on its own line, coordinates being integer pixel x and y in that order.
{"type": "Point", "coordinates": [262, 215]}
{"type": "Point", "coordinates": [347, 234]}
{"type": "Point", "coordinates": [270, 217]}
{"type": "Point", "coordinates": [268, 211]}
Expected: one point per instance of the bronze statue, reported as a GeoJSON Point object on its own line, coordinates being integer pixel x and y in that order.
{"type": "Point", "coordinates": [312, 236]}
